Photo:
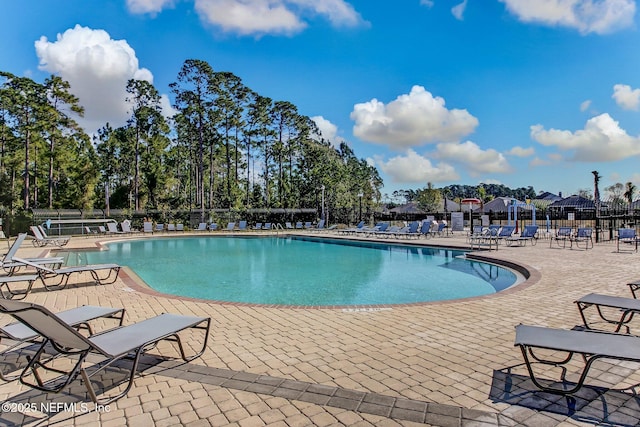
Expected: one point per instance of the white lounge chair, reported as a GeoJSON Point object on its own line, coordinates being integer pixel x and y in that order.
{"type": "Point", "coordinates": [147, 227]}
{"type": "Point", "coordinates": [41, 240]}
{"type": "Point", "coordinates": [78, 317]}
{"type": "Point", "coordinates": [113, 228]}
{"type": "Point", "coordinates": [113, 345]}
{"type": "Point", "coordinates": [11, 266]}
{"type": "Point", "coordinates": [63, 274]}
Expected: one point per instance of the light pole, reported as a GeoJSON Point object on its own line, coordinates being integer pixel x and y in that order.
{"type": "Point", "coordinates": [322, 202]}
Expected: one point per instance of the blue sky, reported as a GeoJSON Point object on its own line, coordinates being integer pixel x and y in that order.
{"type": "Point", "coordinates": [516, 92]}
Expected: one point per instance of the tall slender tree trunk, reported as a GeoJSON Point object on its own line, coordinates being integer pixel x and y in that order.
{"type": "Point", "coordinates": [50, 183]}
{"type": "Point", "coordinates": [26, 171]}
{"type": "Point", "coordinates": [136, 180]}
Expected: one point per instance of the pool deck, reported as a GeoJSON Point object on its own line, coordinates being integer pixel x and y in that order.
{"type": "Point", "coordinates": [442, 364]}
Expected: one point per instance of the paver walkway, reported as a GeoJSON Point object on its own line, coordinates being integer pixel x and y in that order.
{"type": "Point", "coordinates": [445, 364]}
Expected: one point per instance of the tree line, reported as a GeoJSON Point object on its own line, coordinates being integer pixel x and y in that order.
{"type": "Point", "coordinates": [227, 147]}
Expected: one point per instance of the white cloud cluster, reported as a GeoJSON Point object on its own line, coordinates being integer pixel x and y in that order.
{"type": "Point", "coordinates": [626, 97]}
{"type": "Point", "coordinates": [473, 159]}
{"type": "Point", "coordinates": [259, 17]}
{"type": "Point", "coordinates": [328, 130]}
{"type": "Point", "coordinates": [601, 140]}
{"type": "Point", "coordinates": [458, 10]}
{"type": "Point", "coordinates": [148, 6]}
{"type": "Point", "coordinates": [97, 69]}
{"type": "Point", "coordinates": [412, 168]}
{"type": "Point", "coordinates": [518, 151]}
{"type": "Point", "coordinates": [586, 16]}
{"type": "Point", "coordinates": [411, 120]}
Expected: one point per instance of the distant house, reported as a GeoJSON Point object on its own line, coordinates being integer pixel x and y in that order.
{"type": "Point", "coordinates": [408, 208]}
{"type": "Point", "coordinates": [548, 197]}
{"type": "Point", "coordinates": [573, 203]}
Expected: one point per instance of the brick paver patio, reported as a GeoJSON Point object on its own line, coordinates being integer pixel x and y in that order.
{"type": "Point", "coordinates": [444, 364]}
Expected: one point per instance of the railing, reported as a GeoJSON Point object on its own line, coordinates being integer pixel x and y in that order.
{"type": "Point", "coordinates": [66, 227]}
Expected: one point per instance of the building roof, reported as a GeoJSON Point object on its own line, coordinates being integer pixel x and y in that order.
{"type": "Point", "coordinates": [546, 196]}
{"type": "Point", "coordinates": [576, 202]}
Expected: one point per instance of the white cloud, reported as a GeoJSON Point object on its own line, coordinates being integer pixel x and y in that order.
{"type": "Point", "coordinates": [475, 160]}
{"type": "Point", "coordinates": [537, 161]}
{"type": "Point", "coordinates": [328, 130]}
{"type": "Point", "coordinates": [584, 105]}
{"type": "Point", "coordinates": [428, 3]}
{"type": "Point", "coordinates": [259, 17]}
{"type": "Point", "coordinates": [97, 68]}
{"type": "Point", "coordinates": [148, 6]}
{"type": "Point", "coordinates": [458, 10]}
{"type": "Point", "coordinates": [586, 16]}
{"type": "Point", "coordinates": [412, 168]}
{"type": "Point", "coordinates": [626, 98]}
{"type": "Point", "coordinates": [411, 120]}
{"type": "Point", "coordinates": [521, 152]}
{"type": "Point", "coordinates": [601, 140]}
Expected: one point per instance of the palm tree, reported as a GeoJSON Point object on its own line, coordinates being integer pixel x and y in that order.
{"type": "Point", "coordinates": [596, 190]}
{"type": "Point", "coordinates": [630, 193]}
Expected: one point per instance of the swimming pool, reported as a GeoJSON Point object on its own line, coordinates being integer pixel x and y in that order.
{"type": "Point", "coordinates": [302, 271]}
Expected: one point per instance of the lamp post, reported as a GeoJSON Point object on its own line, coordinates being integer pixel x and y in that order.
{"type": "Point", "coordinates": [360, 213]}
{"type": "Point", "coordinates": [322, 202]}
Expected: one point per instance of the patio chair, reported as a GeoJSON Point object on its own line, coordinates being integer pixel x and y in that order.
{"type": "Point", "coordinates": [78, 317]}
{"type": "Point", "coordinates": [88, 231]}
{"type": "Point", "coordinates": [62, 274]}
{"type": "Point", "coordinates": [386, 231]}
{"type": "Point", "coordinates": [350, 230]}
{"type": "Point", "coordinates": [299, 225]}
{"type": "Point", "coordinates": [436, 229]}
{"type": "Point", "coordinates": [113, 345]}
{"type": "Point", "coordinates": [307, 225]}
{"type": "Point", "coordinates": [6, 282]}
{"type": "Point", "coordinates": [231, 226]}
{"type": "Point", "coordinates": [258, 226]}
{"type": "Point", "coordinates": [159, 227]}
{"type": "Point", "coordinates": [267, 226]}
{"type": "Point", "coordinates": [487, 239]}
{"type": "Point", "coordinates": [476, 231]}
{"type": "Point", "coordinates": [562, 236]}
{"type": "Point", "coordinates": [620, 309]}
{"type": "Point", "coordinates": [409, 231]}
{"type": "Point", "coordinates": [125, 226]}
{"type": "Point", "coordinates": [242, 225]}
{"type": "Point", "coordinates": [288, 225]}
{"type": "Point", "coordinates": [583, 238]}
{"type": "Point", "coordinates": [529, 234]}
{"type": "Point", "coordinates": [591, 346]}
{"type": "Point", "coordinates": [628, 236]}
{"type": "Point", "coordinates": [213, 226]}
{"type": "Point", "coordinates": [201, 227]}
{"type": "Point", "coordinates": [171, 227]}
{"type": "Point", "coordinates": [319, 226]}
{"type": "Point", "coordinates": [113, 228]}
{"type": "Point", "coordinates": [506, 232]}
{"type": "Point", "coordinates": [41, 240]}
{"type": "Point", "coordinates": [63, 239]}
{"type": "Point", "coordinates": [101, 229]}
{"type": "Point", "coordinates": [11, 266]}
{"type": "Point", "coordinates": [179, 227]}
{"type": "Point", "coordinates": [147, 227]}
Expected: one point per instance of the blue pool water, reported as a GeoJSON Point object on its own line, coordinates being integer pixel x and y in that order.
{"type": "Point", "coordinates": [301, 271]}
